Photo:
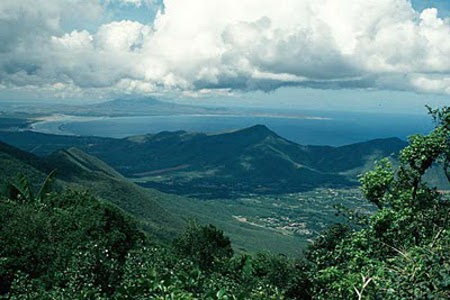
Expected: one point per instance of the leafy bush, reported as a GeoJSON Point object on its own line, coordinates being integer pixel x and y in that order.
{"type": "Point", "coordinates": [62, 236]}
{"type": "Point", "coordinates": [207, 246]}
{"type": "Point", "coordinates": [72, 246]}
{"type": "Point", "coordinates": [403, 251]}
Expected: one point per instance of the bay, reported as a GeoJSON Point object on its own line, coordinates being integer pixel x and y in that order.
{"type": "Point", "coordinates": [331, 128]}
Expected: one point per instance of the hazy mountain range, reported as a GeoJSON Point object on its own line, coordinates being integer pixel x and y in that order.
{"type": "Point", "coordinates": [129, 107]}
{"type": "Point", "coordinates": [145, 106]}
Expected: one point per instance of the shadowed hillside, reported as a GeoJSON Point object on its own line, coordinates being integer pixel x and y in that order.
{"type": "Point", "coordinates": [81, 171]}
{"type": "Point", "coordinates": [14, 161]}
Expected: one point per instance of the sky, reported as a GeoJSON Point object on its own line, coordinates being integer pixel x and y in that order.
{"type": "Point", "coordinates": [315, 54]}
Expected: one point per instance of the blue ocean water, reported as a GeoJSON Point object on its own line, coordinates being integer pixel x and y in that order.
{"type": "Point", "coordinates": [334, 128]}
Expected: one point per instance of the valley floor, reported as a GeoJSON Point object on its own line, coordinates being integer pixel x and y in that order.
{"type": "Point", "coordinates": [283, 223]}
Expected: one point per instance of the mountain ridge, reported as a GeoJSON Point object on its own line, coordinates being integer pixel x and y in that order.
{"type": "Point", "coordinates": [160, 215]}
{"type": "Point", "coordinates": [78, 170]}
{"type": "Point", "coordinates": [253, 159]}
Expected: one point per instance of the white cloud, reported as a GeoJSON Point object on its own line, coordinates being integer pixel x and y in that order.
{"type": "Point", "coordinates": [124, 36]}
{"type": "Point", "coordinates": [227, 45]}
{"type": "Point", "coordinates": [429, 84]}
{"type": "Point", "coordinates": [74, 41]}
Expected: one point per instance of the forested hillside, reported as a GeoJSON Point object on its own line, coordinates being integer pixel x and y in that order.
{"type": "Point", "coordinates": [222, 165]}
{"type": "Point", "coordinates": [77, 170]}
{"type": "Point", "coordinates": [158, 214]}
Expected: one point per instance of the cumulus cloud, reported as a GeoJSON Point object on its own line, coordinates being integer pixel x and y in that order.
{"type": "Point", "coordinates": [219, 45]}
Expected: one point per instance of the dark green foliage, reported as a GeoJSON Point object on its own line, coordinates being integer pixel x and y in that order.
{"type": "Point", "coordinates": [375, 184]}
{"type": "Point", "coordinates": [323, 249]}
{"type": "Point", "coordinates": [275, 268]}
{"type": "Point", "coordinates": [283, 272]}
{"type": "Point", "coordinates": [14, 161]}
{"type": "Point", "coordinates": [22, 191]}
{"type": "Point", "coordinates": [72, 246]}
{"type": "Point", "coordinates": [156, 273]}
{"type": "Point", "coordinates": [62, 236]}
{"type": "Point", "coordinates": [206, 246]}
{"type": "Point", "coordinates": [404, 250]}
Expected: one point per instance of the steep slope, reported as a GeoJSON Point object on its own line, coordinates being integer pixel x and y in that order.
{"type": "Point", "coordinates": [353, 159]}
{"type": "Point", "coordinates": [14, 161]}
{"type": "Point", "coordinates": [78, 170]}
{"type": "Point", "coordinates": [87, 172]}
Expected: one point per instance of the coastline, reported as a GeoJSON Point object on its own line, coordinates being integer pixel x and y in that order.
{"type": "Point", "coordinates": [332, 129]}
{"type": "Point", "coordinates": [56, 123]}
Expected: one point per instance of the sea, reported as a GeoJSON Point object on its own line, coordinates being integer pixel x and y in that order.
{"type": "Point", "coordinates": [313, 128]}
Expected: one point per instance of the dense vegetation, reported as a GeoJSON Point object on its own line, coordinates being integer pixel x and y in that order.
{"type": "Point", "coordinates": [403, 250]}
{"type": "Point", "coordinates": [71, 246]}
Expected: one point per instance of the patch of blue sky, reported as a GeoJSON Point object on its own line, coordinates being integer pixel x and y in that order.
{"type": "Point", "coordinates": [113, 10]}
{"type": "Point", "coordinates": [143, 12]}
{"type": "Point", "coordinates": [443, 6]}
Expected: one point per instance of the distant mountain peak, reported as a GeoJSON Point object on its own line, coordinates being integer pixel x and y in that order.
{"type": "Point", "coordinates": [260, 127]}
{"type": "Point", "coordinates": [257, 130]}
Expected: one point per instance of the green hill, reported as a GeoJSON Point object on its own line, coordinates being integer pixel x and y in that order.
{"type": "Point", "coordinates": [14, 161]}
{"type": "Point", "coordinates": [81, 171]}
{"type": "Point", "coordinates": [159, 214]}
{"type": "Point", "coordinates": [253, 159]}
{"type": "Point", "coordinates": [84, 171]}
